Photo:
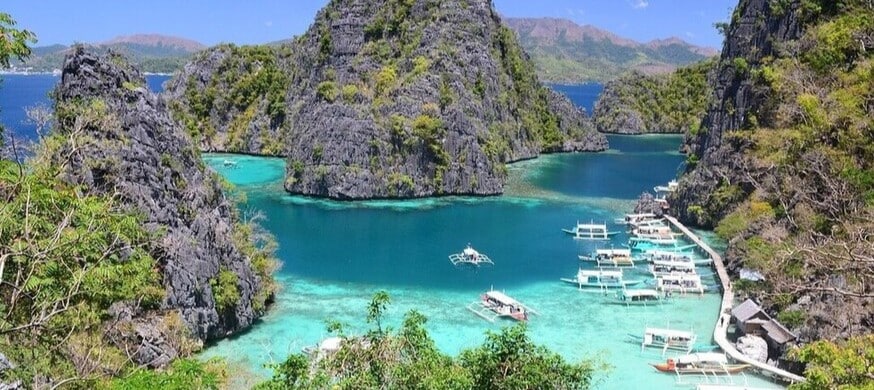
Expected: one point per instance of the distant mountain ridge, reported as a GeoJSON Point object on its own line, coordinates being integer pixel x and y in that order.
{"type": "Point", "coordinates": [153, 53]}
{"type": "Point", "coordinates": [566, 52]}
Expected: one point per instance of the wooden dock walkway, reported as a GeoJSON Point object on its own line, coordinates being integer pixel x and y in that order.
{"type": "Point", "coordinates": [719, 333]}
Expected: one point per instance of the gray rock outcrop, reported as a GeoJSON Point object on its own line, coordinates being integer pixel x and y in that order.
{"type": "Point", "coordinates": [122, 142]}
{"type": "Point", "coordinates": [646, 203]}
{"type": "Point", "coordinates": [753, 347]}
{"type": "Point", "coordinates": [384, 99]}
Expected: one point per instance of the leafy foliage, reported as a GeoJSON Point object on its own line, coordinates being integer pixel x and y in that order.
{"type": "Point", "coordinates": [666, 103]}
{"type": "Point", "coordinates": [408, 359]}
{"type": "Point", "coordinates": [183, 374]}
{"type": "Point", "coordinates": [844, 365]}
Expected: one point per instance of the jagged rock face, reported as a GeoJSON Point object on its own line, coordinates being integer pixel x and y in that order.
{"type": "Point", "coordinates": [646, 203]}
{"type": "Point", "coordinates": [755, 33]}
{"type": "Point", "coordinates": [403, 99]}
{"type": "Point", "coordinates": [123, 143]}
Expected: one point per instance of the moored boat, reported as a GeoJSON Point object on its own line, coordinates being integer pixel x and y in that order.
{"type": "Point", "coordinates": [603, 278]}
{"type": "Point", "coordinates": [618, 258]}
{"type": "Point", "coordinates": [667, 267]}
{"type": "Point", "coordinates": [637, 219]}
{"type": "Point", "coordinates": [711, 363]}
{"type": "Point", "coordinates": [590, 231]}
{"type": "Point", "coordinates": [681, 283]}
{"type": "Point", "coordinates": [638, 297]}
{"type": "Point", "coordinates": [494, 304]}
{"type": "Point", "coordinates": [666, 339]}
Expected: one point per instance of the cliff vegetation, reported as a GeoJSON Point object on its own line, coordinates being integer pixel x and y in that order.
{"type": "Point", "coordinates": [392, 98]}
{"type": "Point", "coordinates": [672, 103]}
{"type": "Point", "coordinates": [783, 168]}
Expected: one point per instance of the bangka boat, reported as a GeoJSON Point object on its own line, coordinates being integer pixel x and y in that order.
{"type": "Point", "coordinates": [671, 187]}
{"type": "Point", "coordinates": [644, 244]}
{"type": "Point", "coordinates": [636, 219]}
{"type": "Point", "coordinates": [666, 339]}
{"type": "Point", "coordinates": [494, 304]}
{"type": "Point", "coordinates": [638, 297]}
{"type": "Point", "coordinates": [590, 231]}
{"type": "Point", "coordinates": [663, 255]}
{"type": "Point", "coordinates": [668, 267]}
{"type": "Point", "coordinates": [681, 283]}
{"type": "Point", "coordinates": [469, 256]}
{"type": "Point", "coordinates": [619, 258]}
{"type": "Point", "coordinates": [711, 363]}
{"type": "Point", "coordinates": [603, 278]}
{"type": "Point", "coordinates": [229, 163]}
{"type": "Point", "coordinates": [325, 347]}
{"type": "Point", "coordinates": [655, 232]}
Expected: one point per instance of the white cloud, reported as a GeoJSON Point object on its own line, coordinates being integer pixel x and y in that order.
{"type": "Point", "coordinates": [268, 23]}
{"type": "Point", "coordinates": [639, 4]}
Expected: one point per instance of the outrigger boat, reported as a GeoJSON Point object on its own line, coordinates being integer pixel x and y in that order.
{"type": "Point", "coordinates": [602, 278]}
{"type": "Point", "coordinates": [681, 283]}
{"type": "Point", "coordinates": [666, 339]}
{"type": "Point", "coordinates": [646, 245]}
{"type": "Point", "coordinates": [655, 232]}
{"type": "Point", "coordinates": [619, 258]}
{"type": "Point", "coordinates": [662, 255]}
{"type": "Point", "coordinates": [494, 304]}
{"type": "Point", "coordinates": [667, 267]}
{"type": "Point", "coordinates": [229, 163]}
{"type": "Point", "coordinates": [590, 231]}
{"type": "Point", "coordinates": [638, 297]}
{"type": "Point", "coordinates": [637, 219]}
{"type": "Point", "coordinates": [711, 363]}
{"type": "Point", "coordinates": [469, 256]}
{"type": "Point", "coordinates": [671, 187]}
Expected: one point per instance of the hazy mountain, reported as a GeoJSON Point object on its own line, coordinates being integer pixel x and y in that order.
{"type": "Point", "coordinates": [564, 51]}
{"type": "Point", "coordinates": [153, 52]}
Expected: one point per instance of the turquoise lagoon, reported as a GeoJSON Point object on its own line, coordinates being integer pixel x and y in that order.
{"type": "Point", "coordinates": [336, 255]}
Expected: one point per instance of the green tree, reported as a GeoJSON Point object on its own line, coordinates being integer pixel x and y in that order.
{"type": "Point", "coordinates": [14, 43]}
{"type": "Point", "coordinates": [844, 365]}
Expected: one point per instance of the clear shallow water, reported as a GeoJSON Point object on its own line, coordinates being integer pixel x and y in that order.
{"type": "Point", "coordinates": [337, 254]}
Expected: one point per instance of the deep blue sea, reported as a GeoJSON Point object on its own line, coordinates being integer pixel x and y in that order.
{"type": "Point", "coordinates": [336, 255]}
{"type": "Point", "coordinates": [583, 95]}
{"type": "Point", "coordinates": [18, 92]}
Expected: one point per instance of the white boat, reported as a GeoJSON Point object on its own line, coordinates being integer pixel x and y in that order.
{"type": "Point", "coordinates": [620, 258]}
{"type": "Point", "coordinates": [666, 339]}
{"type": "Point", "coordinates": [590, 231]}
{"type": "Point", "coordinates": [663, 255]}
{"type": "Point", "coordinates": [229, 163]}
{"type": "Point", "coordinates": [469, 256]}
{"type": "Point", "coordinates": [671, 187]}
{"type": "Point", "coordinates": [638, 297]}
{"type": "Point", "coordinates": [655, 232]}
{"type": "Point", "coordinates": [602, 278]}
{"type": "Point", "coordinates": [680, 283]}
{"type": "Point", "coordinates": [325, 347]}
{"type": "Point", "coordinates": [668, 267]}
{"type": "Point", "coordinates": [665, 245]}
{"type": "Point", "coordinates": [494, 304]}
{"type": "Point", "coordinates": [636, 219]}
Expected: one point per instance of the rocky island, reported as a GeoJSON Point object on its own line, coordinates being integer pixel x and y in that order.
{"type": "Point", "coordinates": [782, 168]}
{"type": "Point", "coordinates": [383, 99]}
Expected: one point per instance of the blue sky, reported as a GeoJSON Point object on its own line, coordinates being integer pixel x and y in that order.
{"type": "Point", "coordinates": [259, 21]}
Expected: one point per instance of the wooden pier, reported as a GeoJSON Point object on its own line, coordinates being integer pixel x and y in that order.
{"type": "Point", "coordinates": [719, 333]}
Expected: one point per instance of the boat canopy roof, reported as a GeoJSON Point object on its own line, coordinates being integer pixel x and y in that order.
{"type": "Point", "coordinates": [470, 252]}
{"type": "Point", "coordinates": [592, 226]}
{"type": "Point", "coordinates": [613, 252]}
{"type": "Point", "coordinates": [700, 357]}
{"type": "Point", "coordinates": [680, 277]}
{"type": "Point", "coordinates": [670, 333]}
{"type": "Point", "coordinates": [638, 216]}
{"type": "Point", "coordinates": [502, 298]}
{"type": "Point", "coordinates": [601, 272]}
{"type": "Point", "coordinates": [675, 263]}
{"type": "Point", "coordinates": [640, 293]}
